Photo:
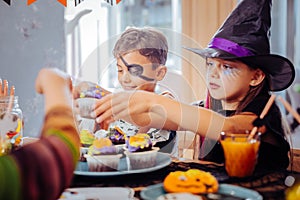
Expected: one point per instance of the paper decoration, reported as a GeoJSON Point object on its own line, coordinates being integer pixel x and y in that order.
{"type": "Point", "coordinates": [63, 2]}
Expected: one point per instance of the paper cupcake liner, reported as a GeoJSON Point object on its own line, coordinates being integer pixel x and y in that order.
{"type": "Point", "coordinates": [120, 148]}
{"type": "Point", "coordinates": [103, 163]}
{"type": "Point", "coordinates": [141, 160]}
{"type": "Point", "coordinates": [86, 106]}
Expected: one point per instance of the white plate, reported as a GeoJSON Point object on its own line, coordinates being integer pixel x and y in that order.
{"type": "Point", "coordinates": [111, 193]}
{"type": "Point", "coordinates": [154, 191]}
{"type": "Point", "coordinates": [162, 160]}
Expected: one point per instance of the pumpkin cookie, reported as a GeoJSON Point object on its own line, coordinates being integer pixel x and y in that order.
{"type": "Point", "coordinates": [194, 181]}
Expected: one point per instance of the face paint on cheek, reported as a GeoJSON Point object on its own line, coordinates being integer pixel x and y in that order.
{"type": "Point", "coordinates": [234, 72]}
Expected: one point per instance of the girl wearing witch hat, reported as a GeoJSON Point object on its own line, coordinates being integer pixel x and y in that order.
{"type": "Point", "coordinates": [241, 73]}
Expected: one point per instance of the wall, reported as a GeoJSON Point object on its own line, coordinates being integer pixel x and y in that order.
{"type": "Point", "coordinates": [200, 21]}
{"type": "Point", "coordinates": [31, 37]}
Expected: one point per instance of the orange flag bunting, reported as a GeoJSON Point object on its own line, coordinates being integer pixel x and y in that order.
{"type": "Point", "coordinates": [63, 2]}
{"type": "Point", "coordinates": [30, 2]}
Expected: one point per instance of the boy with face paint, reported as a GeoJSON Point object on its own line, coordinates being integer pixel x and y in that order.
{"type": "Point", "coordinates": [141, 55]}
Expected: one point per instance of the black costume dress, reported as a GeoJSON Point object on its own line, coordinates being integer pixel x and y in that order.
{"type": "Point", "coordinates": [273, 151]}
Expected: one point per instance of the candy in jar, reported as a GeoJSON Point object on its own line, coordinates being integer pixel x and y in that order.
{"type": "Point", "coordinates": [11, 124]}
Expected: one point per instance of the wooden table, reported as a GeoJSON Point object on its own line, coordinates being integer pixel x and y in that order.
{"type": "Point", "coordinates": [269, 184]}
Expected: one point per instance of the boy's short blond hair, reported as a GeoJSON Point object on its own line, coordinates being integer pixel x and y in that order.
{"type": "Point", "coordinates": [150, 43]}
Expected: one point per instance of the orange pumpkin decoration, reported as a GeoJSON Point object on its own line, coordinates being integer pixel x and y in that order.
{"type": "Point", "coordinates": [194, 181]}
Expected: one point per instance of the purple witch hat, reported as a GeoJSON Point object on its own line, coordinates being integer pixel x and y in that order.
{"type": "Point", "coordinates": [244, 36]}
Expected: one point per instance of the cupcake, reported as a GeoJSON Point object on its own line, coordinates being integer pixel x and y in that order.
{"type": "Point", "coordinates": [116, 135]}
{"type": "Point", "coordinates": [87, 99]}
{"type": "Point", "coordinates": [92, 92]}
{"type": "Point", "coordinates": [105, 134]}
{"type": "Point", "coordinates": [139, 152]}
{"type": "Point", "coordinates": [86, 139]}
{"type": "Point", "coordinates": [102, 156]}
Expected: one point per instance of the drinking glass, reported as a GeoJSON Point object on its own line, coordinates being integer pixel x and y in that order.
{"type": "Point", "coordinates": [240, 153]}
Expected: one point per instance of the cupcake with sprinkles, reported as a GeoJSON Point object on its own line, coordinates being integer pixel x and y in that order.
{"type": "Point", "coordinates": [86, 139]}
{"type": "Point", "coordinates": [92, 92]}
{"type": "Point", "coordinates": [102, 156]}
{"type": "Point", "coordinates": [87, 98]}
{"type": "Point", "coordinates": [140, 152]}
{"type": "Point", "coordinates": [116, 135]}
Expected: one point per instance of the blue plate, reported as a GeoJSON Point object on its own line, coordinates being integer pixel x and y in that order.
{"type": "Point", "coordinates": [162, 160]}
{"type": "Point", "coordinates": [154, 191]}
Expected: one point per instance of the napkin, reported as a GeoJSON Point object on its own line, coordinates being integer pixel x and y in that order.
{"type": "Point", "coordinates": [98, 193]}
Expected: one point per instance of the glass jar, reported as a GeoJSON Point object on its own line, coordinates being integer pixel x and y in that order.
{"type": "Point", "coordinates": [11, 125]}
{"type": "Point", "coordinates": [293, 190]}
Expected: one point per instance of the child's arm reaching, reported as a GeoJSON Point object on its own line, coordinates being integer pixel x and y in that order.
{"type": "Point", "coordinates": [165, 94]}
{"type": "Point", "coordinates": [43, 169]}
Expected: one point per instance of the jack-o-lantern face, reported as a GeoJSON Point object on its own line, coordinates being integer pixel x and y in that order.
{"type": "Point", "coordinates": [194, 181]}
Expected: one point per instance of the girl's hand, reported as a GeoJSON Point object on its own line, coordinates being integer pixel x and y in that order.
{"type": "Point", "coordinates": [4, 91]}
{"type": "Point", "coordinates": [132, 106]}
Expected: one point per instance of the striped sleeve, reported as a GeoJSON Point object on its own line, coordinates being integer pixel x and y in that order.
{"type": "Point", "coordinates": [45, 168]}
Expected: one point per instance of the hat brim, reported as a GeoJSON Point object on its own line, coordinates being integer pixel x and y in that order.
{"type": "Point", "coordinates": [280, 70]}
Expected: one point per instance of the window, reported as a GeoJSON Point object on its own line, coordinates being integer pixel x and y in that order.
{"type": "Point", "coordinates": [285, 40]}
{"type": "Point", "coordinates": [285, 29]}
{"type": "Point", "coordinates": [93, 26]}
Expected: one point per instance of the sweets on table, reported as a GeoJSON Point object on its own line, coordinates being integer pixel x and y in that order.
{"type": "Point", "coordinates": [139, 142]}
{"type": "Point", "coordinates": [193, 181]}
{"type": "Point", "coordinates": [140, 152]}
{"type": "Point", "coordinates": [102, 146]}
{"type": "Point", "coordinates": [116, 135]}
{"type": "Point", "coordinates": [86, 138]}
{"type": "Point", "coordinates": [92, 92]}
{"type": "Point", "coordinates": [87, 98]}
{"type": "Point", "coordinates": [11, 128]}
{"type": "Point", "coordinates": [102, 156]}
